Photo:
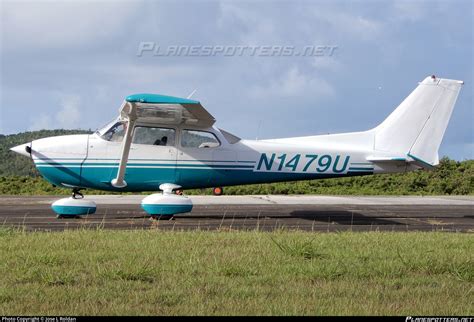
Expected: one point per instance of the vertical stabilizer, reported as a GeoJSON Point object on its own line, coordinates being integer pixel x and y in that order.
{"type": "Point", "coordinates": [416, 127]}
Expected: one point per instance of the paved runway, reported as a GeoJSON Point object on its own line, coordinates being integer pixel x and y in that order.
{"type": "Point", "coordinates": [310, 213]}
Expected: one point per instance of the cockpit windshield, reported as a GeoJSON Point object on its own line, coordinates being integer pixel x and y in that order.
{"type": "Point", "coordinates": [106, 127]}
{"type": "Point", "coordinates": [114, 131]}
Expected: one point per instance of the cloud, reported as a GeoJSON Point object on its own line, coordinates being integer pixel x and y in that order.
{"type": "Point", "coordinates": [33, 25]}
{"type": "Point", "coordinates": [327, 64]}
{"type": "Point", "coordinates": [409, 10]}
{"type": "Point", "coordinates": [251, 25]}
{"type": "Point", "coordinates": [294, 83]}
{"type": "Point", "coordinates": [347, 23]}
{"type": "Point", "coordinates": [41, 122]}
{"type": "Point", "coordinates": [67, 117]}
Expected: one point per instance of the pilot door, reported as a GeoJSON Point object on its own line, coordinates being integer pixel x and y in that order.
{"type": "Point", "coordinates": [152, 158]}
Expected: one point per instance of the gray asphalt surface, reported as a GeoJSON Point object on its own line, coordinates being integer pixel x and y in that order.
{"type": "Point", "coordinates": [310, 213]}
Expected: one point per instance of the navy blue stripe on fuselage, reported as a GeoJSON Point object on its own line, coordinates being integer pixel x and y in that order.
{"type": "Point", "coordinates": [80, 160]}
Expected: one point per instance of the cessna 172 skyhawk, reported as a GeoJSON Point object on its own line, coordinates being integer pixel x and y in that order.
{"type": "Point", "coordinates": [169, 143]}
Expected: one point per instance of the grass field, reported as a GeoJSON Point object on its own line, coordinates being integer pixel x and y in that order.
{"type": "Point", "coordinates": [98, 272]}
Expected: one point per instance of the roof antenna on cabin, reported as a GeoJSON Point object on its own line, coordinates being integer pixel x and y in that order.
{"type": "Point", "coordinates": [192, 93]}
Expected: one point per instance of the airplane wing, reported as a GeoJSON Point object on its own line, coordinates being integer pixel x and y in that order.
{"type": "Point", "coordinates": [159, 109]}
{"type": "Point", "coordinates": [154, 108]}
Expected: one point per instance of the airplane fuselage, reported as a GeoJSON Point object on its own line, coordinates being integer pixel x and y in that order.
{"type": "Point", "coordinates": [90, 161]}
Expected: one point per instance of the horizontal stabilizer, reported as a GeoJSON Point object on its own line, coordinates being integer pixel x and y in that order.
{"type": "Point", "coordinates": [397, 159]}
{"type": "Point", "coordinates": [385, 159]}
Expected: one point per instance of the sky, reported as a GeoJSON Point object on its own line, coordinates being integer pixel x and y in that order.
{"type": "Point", "coordinates": [70, 64]}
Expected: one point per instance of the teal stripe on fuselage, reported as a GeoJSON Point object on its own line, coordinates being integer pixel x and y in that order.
{"type": "Point", "coordinates": [61, 174]}
{"type": "Point", "coordinates": [148, 179]}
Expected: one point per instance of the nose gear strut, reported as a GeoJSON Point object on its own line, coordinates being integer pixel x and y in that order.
{"type": "Point", "coordinates": [76, 193]}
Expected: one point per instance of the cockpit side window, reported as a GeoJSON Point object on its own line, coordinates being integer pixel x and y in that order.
{"type": "Point", "coordinates": [116, 132]}
{"type": "Point", "coordinates": [154, 136]}
{"type": "Point", "coordinates": [198, 139]}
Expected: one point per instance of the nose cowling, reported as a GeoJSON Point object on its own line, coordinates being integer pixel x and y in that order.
{"type": "Point", "coordinates": [59, 158]}
{"type": "Point", "coordinates": [59, 147]}
{"type": "Point", "coordinates": [23, 149]}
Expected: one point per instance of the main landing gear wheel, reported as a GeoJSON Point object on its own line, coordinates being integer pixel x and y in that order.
{"type": "Point", "coordinates": [74, 206]}
{"type": "Point", "coordinates": [218, 191]}
{"type": "Point", "coordinates": [163, 206]}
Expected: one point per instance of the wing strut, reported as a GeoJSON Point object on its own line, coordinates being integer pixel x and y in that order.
{"type": "Point", "coordinates": [128, 113]}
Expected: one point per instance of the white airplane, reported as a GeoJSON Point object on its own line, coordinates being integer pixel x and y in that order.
{"type": "Point", "coordinates": [169, 144]}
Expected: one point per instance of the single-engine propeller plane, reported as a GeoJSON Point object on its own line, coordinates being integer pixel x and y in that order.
{"type": "Point", "coordinates": [168, 143]}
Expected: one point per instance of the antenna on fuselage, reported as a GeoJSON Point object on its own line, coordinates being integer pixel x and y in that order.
{"type": "Point", "coordinates": [192, 93]}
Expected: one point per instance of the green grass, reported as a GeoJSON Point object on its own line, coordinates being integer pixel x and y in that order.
{"type": "Point", "coordinates": [102, 272]}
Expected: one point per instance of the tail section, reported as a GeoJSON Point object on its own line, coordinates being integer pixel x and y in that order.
{"type": "Point", "coordinates": [416, 127]}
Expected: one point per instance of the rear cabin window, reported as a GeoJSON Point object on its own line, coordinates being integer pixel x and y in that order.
{"type": "Point", "coordinates": [154, 136]}
{"type": "Point", "coordinates": [198, 139]}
